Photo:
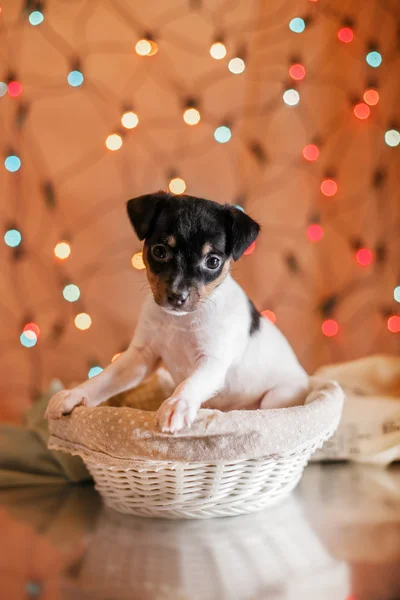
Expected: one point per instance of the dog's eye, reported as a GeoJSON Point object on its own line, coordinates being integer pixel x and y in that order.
{"type": "Point", "coordinates": [213, 262]}
{"type": "Point", "coordinates": [159, 252]}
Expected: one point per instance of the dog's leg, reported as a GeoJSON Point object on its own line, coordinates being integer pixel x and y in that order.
{"type": "Point", "coordinates": [181, 408]}
{"type": "Point", "coordinates": [125, 373]}
{"type": "Point", "coordinates": [284, 396]}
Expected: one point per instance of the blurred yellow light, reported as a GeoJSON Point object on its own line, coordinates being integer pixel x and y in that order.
{"type": "Point", "coordinates": [129, 120]}
{"type": "Point", "coordinates": [177, 186]}
{"type": "Point", "coordinates": [143, 47]}
{"type": "Point", "coordinates": [116, 356]}
{"type": "Point", "coordinates": [154, 48]}
{"type": "Point", "coordinates": [191, 116]}
{"type": "Point", "coordinates": [114, 142]}
{"type": "Point", "coordinates": [62, 250]}
{"type": "Point", "coordinates": [83, 321]}
{"type": "Point", "coordinates": [218, 50]}
{"type": "Point", "coordinates": [137, 261]}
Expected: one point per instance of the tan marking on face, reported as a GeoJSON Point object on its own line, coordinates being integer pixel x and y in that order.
{"type": "Point", "coordinates": [206, 249]}
{"type": "Point", "coordinates": [206, 290]}
{"type": "Point", "coordinates": [157, 286]}
{"type": "Point", "coordinates": [171, 241]}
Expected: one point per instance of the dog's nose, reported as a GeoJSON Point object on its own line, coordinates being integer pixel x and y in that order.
{"type": "Point", "coordinates": [178, 298]}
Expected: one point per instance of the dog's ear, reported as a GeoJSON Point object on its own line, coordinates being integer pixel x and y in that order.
{"type": "Point", "coordinates": [144, 210]}
{"type": "Point", "coordinates": [242, 231]}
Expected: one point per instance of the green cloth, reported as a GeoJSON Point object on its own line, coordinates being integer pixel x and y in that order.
{"type": "Point", "coordinates": [26, 460]}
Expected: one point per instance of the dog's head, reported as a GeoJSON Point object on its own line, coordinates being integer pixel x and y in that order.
{"type": "Point", "coordinates": [188, 245]}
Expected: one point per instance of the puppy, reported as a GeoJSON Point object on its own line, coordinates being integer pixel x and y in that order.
{"type": "Point", "coordinates": [219, 350]}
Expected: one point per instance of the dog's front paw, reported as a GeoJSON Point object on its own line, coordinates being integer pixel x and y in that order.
{"type": "Point", "coordinates": [174, 414]}
{"type": "Point", "coordinates": [63, 402]}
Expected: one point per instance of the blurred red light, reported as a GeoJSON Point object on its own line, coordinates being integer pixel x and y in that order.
{"type": "Point", "coordinates": [32, 327]}
{"type": "Point", "coordinates": [371, 97]}
{"type": "Point", "coordinates": [346, 35]}
{"type": "Point", "coordinates": [393, 324]}
{"type": "Point", "coordinates": [329, 187]}
{"type": "Point", "coordinates": [364, 257]}
{"type": "Point", "coordinates": [14, 88]}
{"type": "Point", "coordinates": [315, 232]}
{"type": "Point", "coordinates": [297, 72]}
{"type": "Point", "coordinates": [250, 249]}
{"type": "Point", "coordinates": [269, 314]}
{"type": "Point", "coordinates": [362, 110]}
{"type": "Point", "coordinates": [311, 152]}
{"type": "Point", "coordinates": [330, 327]}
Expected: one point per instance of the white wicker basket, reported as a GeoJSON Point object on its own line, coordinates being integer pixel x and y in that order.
{"type": "Point", "coordinates": [198, 489]}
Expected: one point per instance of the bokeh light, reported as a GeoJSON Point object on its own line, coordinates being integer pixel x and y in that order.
{"type": "Point", "coordinates": [297, 72]}
{"type": "Point", "coordinates": [297, 25]}
{"type": "Point", "coordinates": [329, 187]}
{"type": "Point", "coordinates": [311, 152]}
{"type": "Point", "coordinates": [315, 233]}
{"type": "Point", "coordinates": [36, 17]}
{"type": "Point", "coordinates": [362, 110]}
{"type": "Point", "coordinates": [392, 138]}
{"type": "Point", "coordinates": [191, 116]}
{"type": "Point", "coordinates": [75, 78]}
{"type": "Point", "coordinates": [129, 120]}
{"type": "Point", "coordinates": [250, 249]}
{"type": "Point", "coordinates": [393, 323]}
{"type": "Point", "coordinates": [177, 186]}
{"type": "Point", "coordinates": [137, 261]}
{"type": "Point", "coordinates": [14, 89]}
{"type": "Point", "coordinates": [143, 47]}
{"type": "Point", "coordinates": [28, 338]}
{"type": "Point", "coordinates": [34, 327]}
{"type": "Point", "coordinates": [374, 59]}
{"type": "Point", "coordinates": [12, 163]}
{"type": "Point", "coordinates": [117, 355]}
{"type": "Point", "coordinates": [371, 97]}
{"type": "Point", "coordinates": [218, 50]}
{"type": "Point", "coordinates": [269, 314]}
{"type": "Point", "coordinates": [3, 88]}
{"type": "Point", "coordinates": [71, 292]}
{"type": "Point", "coordinates": [93, 371]}
{"type": "Point", "coordinates": [236, 65]}
{"type": "Point", "coordinates": [291, 97]}
{"type": "Point", "coordinates": [346, 35]}
{"type": "Point", "coordinates": [62, 250]}
{"type": "Point", "coordinates": [83, 321]}
{"type": "Point", "coordinates": [364, 257]}
{"type": "Point", "coordinates": [222, 134]}
{"type": "Point", "coordinates": [154, 48]}
{"type": "Point", "coordinates": [330, 327]}
{"type": "Point", "coordinates": [13, 238]}
{"type": "Point", "coordinates": [396, 293]}
{"type": "Point", "coordinates": [114, 142]}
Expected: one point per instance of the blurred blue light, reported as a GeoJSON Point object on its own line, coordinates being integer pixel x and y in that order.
{"type": "Point", "coordinates": [75, 78]}
{"type": "Point", "coordinates": [12, 238]}
{"type": "Point", "coordinates": [222, 134]}
{"type": "Point", "coordinates": [374, 59]}
{"type": "Point", "coordinates": [12, 163]}
{"type": "Point", "coordinates": [297, 25]}
{"type": "Point", "coordinates": [28, 339]}
{"type": "Point", "coordinates": [94, 371]}
{"type": "Point", "coordinates": [36, 17]}
{"type": "Point", "coordinates": [71, 292]}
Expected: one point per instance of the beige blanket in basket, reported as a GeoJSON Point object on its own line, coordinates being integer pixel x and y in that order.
{"type": "Point", "coordinates": [118, 435]}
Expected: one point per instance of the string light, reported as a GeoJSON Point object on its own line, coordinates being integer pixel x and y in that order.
{"type": "Point", "coordinates": [13, 238]}
{"type": "Point", "coordinates": [364, 257]}
{"type": "Point", "coordinates": [75, 78]}
{"type": "Point", "coordinates": [83, 321]}
{"type": "Point", "coordinates": [297, 25]}
{"type": "Point", "coordinates": [130, 120]}
{"type": "Point", "coordinates": [12, 163]}
{"type": "Point", "coordinates": [71, 292]}
{"type": "Point", "coordinates": [393, 323]}
{"type": "Point", "coordinates": [191, 116]}
{"type": "Point", "coordinates": [392, 138]}
{"type": "Point", "coordinates": [362, 110]}
{"type": "Point", "coordinates": [28, 339]}
{"type": "Point", "coordinates": [329, 187]}
{"type": "Point", "coordinates": [146, 47]}
{"type": "Point", "coordinates": [346, 35]}
{"type": "Point", "coordinates": [177, 186]}
{"type": "Point", "coordinates": [62, 250]}
{"type": "Point", "coordinates": [114, 142]}
{"type": "Point", "coordinates": [396, 293]}
{"type": "Point", "coordinates": [371, 97]}
{"type": "Point", "coordinates": [137, 261]}
{"type": "Point", "coordinates": [374, 59]}
{"type": "Point", "coordinates": [34, 327]}
{"type": "Point", "coordinates": [315, 232]}
{"type": "Point", "coordinates": [36, 17]}
{"type": "Point", "coordinates": [218, 50]}
{"type": "Point", "coordinates": [269, 314]}
{"type": "Point", "coordinates": [291, 97]}
{"type": "Point", "coordinates": [93, 371]}
{"type": "Point", "coordinates": [330, 327]}
{"type": "Point", "coordinates": [297, 72]}
{"type": "Point", "coordinates": [3, 88]}
{"type": "Point", "coordinates": [236, 65]}
{"type": "Point", "coordinates": [311, 152]}
{"type": "Point", "coordinates": [250, 249]}
{"type": "Point", "coordinates": [14, 89]}
{"type": "Point", "coordinates": [222, 134]}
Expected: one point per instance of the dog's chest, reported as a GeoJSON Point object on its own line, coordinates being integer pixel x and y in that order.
{"type": "Point", "coordinates": [180, 348]}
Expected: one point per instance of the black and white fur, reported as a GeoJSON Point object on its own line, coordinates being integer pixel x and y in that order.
{"type": "Point", "coordinates": [219, 350]}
